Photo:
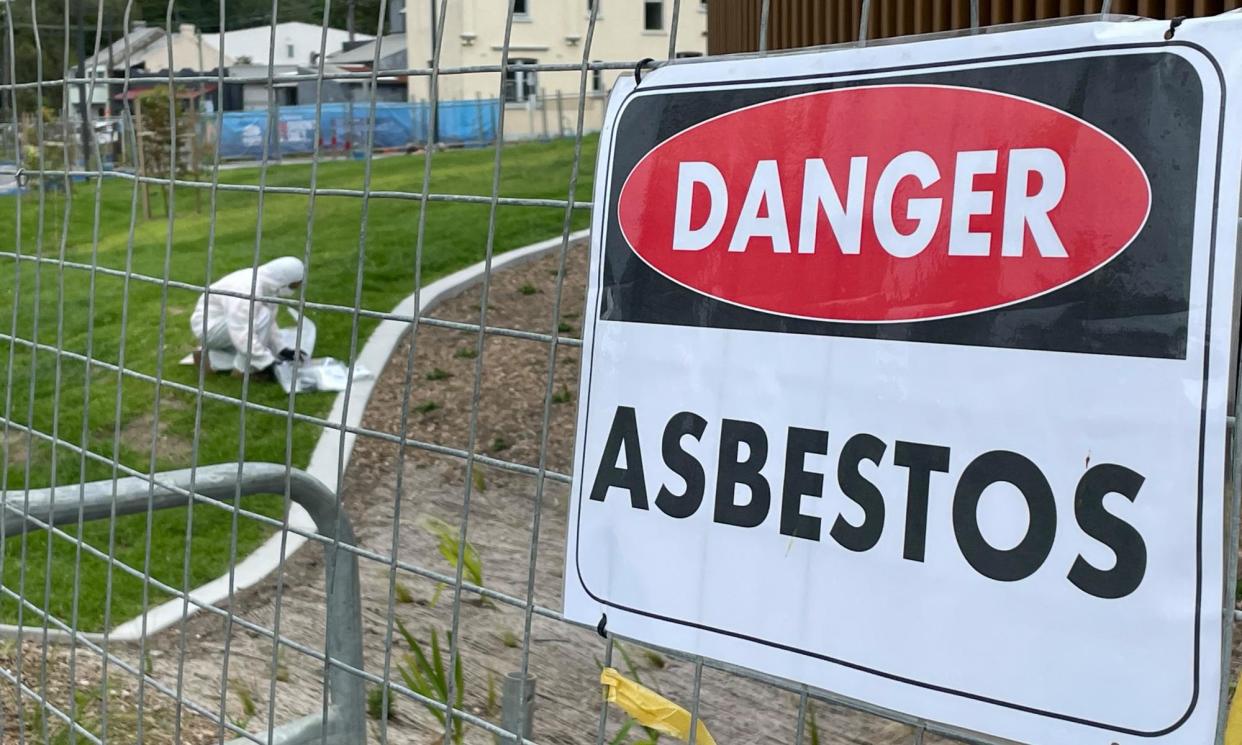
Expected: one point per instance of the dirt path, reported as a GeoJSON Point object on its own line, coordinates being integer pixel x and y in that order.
{"type": "Point", "coordinates": [565, 659]}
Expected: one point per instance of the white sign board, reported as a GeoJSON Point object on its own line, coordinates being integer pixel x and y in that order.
{"type": "Point", "coordinates": [906, 374]}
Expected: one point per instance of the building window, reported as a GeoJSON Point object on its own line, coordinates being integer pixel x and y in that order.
{"type": "Point", "coordinates": [653, 15]}
{"type": "Point", "coordinates": [289, 51]}
{"type": "Point", "coordinates": [597, 80]}
{"type": "Point", "coordinates": [686, 55]}
{"type": "Point", "coordinates": [520, 85]}
{"type": "Point", "coordinates": [519, 8]}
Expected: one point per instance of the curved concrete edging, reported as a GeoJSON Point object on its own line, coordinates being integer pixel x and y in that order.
{"type": "Point", "coordinates": [326, 462]}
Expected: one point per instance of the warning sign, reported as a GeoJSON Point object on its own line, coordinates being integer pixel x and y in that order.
{"type": "Point", "coordinates": [907, 368]}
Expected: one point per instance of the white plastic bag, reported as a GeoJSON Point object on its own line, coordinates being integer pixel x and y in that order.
{"type": "Point", "coordinates": [324, 374]}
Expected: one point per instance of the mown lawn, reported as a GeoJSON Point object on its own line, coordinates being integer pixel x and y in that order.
{"type": "Point", "coordinates": [51, 392]}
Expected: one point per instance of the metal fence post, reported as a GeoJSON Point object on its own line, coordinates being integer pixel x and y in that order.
{"type": "Point", "coordinates": [560, 116]}
{"type": "Point", "coordinates": [530, 114]}
{"type": "Point", "coordinates": [542, 102]}
{"type": "Point", "coordinates": [517, 707]}
{"type": "Point", "coordinates": [478, 117]}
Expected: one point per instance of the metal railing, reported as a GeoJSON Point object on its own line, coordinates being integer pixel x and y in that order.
{"type": "Point", "coordinates": [44, 509]}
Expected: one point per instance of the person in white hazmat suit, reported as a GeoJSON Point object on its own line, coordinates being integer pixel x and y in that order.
{"type": "Point", "coordinates": [228, 341]}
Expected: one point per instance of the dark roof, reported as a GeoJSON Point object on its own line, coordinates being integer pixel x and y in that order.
{"type": "Point", "coordinates": [392, 53]}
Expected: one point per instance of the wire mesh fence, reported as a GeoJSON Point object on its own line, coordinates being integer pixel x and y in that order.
{"type": "Point", "coordinates": [155, 583]}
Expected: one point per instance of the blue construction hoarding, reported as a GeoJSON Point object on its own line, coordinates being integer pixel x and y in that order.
{"type": "Point", "coordinates": [397, 125]}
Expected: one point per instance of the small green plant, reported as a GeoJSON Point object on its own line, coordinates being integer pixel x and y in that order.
{"type": "Point", "coordinates": [466, 353]}
{"type": "Point", "coordinates": [379, 706]}
{"type": "Point", "coordinates": [450, 547]}
{"type": "Point", "coordinates": [812, 726]}
{"type": "Point", "coordinates": [246, 697]}
{"type": "Point", "coordinates": [510, 639]}
{"type": "Point", "coordinates": [528, 289]}
{"type": "Point", "coordinates": [563, 396]}
{"type": "Point", "coordinates": [480, 483]}
{"type": "Point", "coordinates": [499, 444]}
{"type": "Point", "coordinates": [247, 701]}
{"type": "Point", "coordinates": [655, 659]}
{"type": "Point", "coordinates": [427, 407]}
{"type": "Point", "coordinates": [630, 668]}
{"type": "Point", "coordinates": [282, 670]}
{"type": "Point", "coordinates": [427, 675]}
{"type": "Point", "coordinates": [564, 328]}
{"type": "Point", "coordinates": [402, 593]}
{"type": "Point", "coordinates": [622, 733]}
{"type": "Point", "coordinates": [438, 374]}
{"type": "Point", "coordinates": [493, 707]}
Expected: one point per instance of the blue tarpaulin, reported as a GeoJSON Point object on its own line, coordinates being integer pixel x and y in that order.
{"type": "Point", "coordinates": [396, 125]}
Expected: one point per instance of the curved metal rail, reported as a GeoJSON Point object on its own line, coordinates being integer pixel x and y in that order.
{"type": "Point", "coordinates": [343, 722]}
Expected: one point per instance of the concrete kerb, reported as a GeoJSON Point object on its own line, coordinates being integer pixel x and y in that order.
{"type": "Point", "coordinates": [325, 461]}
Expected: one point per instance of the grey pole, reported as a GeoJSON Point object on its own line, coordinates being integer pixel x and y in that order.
{"type": "Point", "coordinates": [478, 113]}
{"type": "Point", "coordinates": [560, 116]}
{"type": "Point", "coordinates": [542, 103]}
{"type": "Point", "coordinates": [517, 706]}
{"type": "Point", "coordinates": [87, 136]}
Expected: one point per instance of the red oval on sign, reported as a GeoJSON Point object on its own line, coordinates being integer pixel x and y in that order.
{"type": "Point", "coordinates": [884, 203]}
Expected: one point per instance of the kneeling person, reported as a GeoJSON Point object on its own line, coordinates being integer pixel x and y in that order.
{"type": "Point", "coordinates": [231, 339]}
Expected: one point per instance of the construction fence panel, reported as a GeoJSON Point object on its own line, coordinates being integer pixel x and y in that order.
{"type": "Point", "coordinates": [192, 554]}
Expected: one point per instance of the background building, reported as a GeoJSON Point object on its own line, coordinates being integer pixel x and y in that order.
{"type": "Point", "coordinates": [360, 58]}
{"type": "Point", "coordinates": [297, 43]}
{"type": "Point", "coordinates": [144, 50]}
{"type": "Point", "coordinates": [547, 32]}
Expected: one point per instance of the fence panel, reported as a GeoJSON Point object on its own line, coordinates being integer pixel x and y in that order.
{"type": "Point", "coordinates": [155, 581]}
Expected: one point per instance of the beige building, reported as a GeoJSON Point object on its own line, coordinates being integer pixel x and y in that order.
{"type": "Point", "coordinates": [146, 49]}
{"type": "Point", "coordinates": [547, 32]}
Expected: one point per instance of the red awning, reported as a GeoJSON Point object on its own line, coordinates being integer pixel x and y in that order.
{"type": "Point", "coordinates": [186, 91]}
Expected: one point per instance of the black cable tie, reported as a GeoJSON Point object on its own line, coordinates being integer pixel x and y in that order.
{"type": "Point", "coordinates": [638, 79]}
{"type": "Point", "coordinates": [21, 178]}
{"type": "Point", "coordinates": [1173, 24]}
{"type": "Point", "coordinates": [602, 625]}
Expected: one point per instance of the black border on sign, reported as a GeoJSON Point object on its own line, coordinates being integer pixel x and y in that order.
{"type": "Point", "coordinates": [1207, 336]}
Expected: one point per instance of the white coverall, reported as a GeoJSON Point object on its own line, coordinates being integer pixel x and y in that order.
{"type": "Point", "coordinates": [229, 317]}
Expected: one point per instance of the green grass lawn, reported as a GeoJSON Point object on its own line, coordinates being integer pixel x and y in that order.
{"type": "Point", "coordinates": [39, 395]}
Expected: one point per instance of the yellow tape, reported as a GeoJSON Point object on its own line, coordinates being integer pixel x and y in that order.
{"type": "Point", "coordinates": [650, 709]}
{"type": "Point", "coordinates": [1233, 725]}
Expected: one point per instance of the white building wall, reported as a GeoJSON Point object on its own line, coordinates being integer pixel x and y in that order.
{"type": "Point", "coordinates": [185, 53]}
{"type": "Point", "coordinates": [552, 32]}
{"type": "Point", "coordinates": [295, 42]}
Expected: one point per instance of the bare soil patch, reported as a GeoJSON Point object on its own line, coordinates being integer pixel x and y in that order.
{"type": "Point", "coordinates": [13, 448]}
{"type": "Point", "coordinates": [73, 685]}
{"type": "Point", "coordinates": [136, 435]}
